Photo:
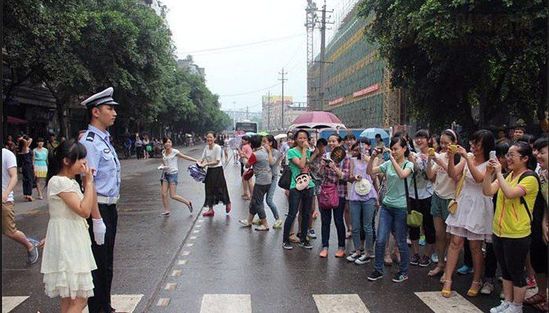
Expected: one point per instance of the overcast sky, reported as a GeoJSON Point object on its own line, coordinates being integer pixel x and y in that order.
{"type": "Point", "coordinates": [243, 45]}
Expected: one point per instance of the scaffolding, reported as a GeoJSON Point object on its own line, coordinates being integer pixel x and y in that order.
{"type": "Point", "coordinates": [391, 102]}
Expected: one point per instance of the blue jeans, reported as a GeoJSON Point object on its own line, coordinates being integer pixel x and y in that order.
{"type": "Point", "coordinates": [270, 196]}
{"type": "Point", "coordinates": [362, 215]}
{"type": "Point", "coordinates": [305, 197]}
{"type": "Point", "coordinates": [392, 220]}
{"type": "Point", "coordinates": [326, 218]}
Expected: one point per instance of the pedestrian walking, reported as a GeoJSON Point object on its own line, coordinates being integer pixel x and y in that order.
{"type": "Point", "coordinates": [270, 143]}
{"type": "Point", "coordinates": [301, 189]}
{"type": "Point", "coordinates": [147, 148]}
{"type": "Point", "coordinates": [40, 163]}
{"type": "Point", "coordinates": [215, 186]}
{"type": "Point", "coordinates": [170, 171]}
{"type": "Point", "coordinates": [473, 216]}
{"type": "Point", "coordinates": [245, 152]}
{"type": "Point", "coordinates": [362, 203]}
{"type": "Point", "coordinates": [261, 162]}
{"type": "Point", "coordinates": [392, 217]}
{"type": "Point", "coordinates": [516, 195]}
{"type": "Point", "coordinates": [25, 155]}
{"type": "Point", "coordinates": [9, 180]}
{"type": "Point", "coordinates": [68, 260]}
{"type": "Point", "coordinates": [138, 143]}
{"type": "Point", "coordinates": [103, 160]}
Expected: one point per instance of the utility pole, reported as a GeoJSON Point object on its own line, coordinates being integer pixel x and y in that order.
{"type": "Point", "coordinates": [282, 109]}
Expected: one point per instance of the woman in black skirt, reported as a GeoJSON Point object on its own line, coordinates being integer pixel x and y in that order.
{"type": "Point", "coordinates": [215, 185]}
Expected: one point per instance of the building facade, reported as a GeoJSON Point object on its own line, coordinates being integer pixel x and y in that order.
{"type": "Point", "coordinates": [356, 81]}
{"type": "Point", "coordinates": [272, 116]}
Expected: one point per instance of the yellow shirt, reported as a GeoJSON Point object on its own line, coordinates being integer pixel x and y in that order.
{"type": "Point", "coordinates": [511, 219]}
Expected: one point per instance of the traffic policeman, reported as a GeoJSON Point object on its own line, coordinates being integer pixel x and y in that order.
{"type": "Point", "coordinates": [102, 158]}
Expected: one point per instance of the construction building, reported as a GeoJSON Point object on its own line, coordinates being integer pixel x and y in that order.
{"type": "Point", "coordinates": [271, 113]}
{"type": "Point", "coordinates": [354, 83]}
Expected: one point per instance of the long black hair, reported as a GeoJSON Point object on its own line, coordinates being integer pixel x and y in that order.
{"type": "Point", "coordinates": [486, 140]}
{"type": "Point", "coordinates": [272, 140]}
{"type": "Point", "coordinates": [69, 149]}
{"type": "Point", "coordinates": [525, 150]}
{"type": "Point", "coordinates": [296, 134]}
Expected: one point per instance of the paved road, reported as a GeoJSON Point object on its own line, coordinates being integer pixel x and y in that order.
{"type": "Point", "coordinates": [186, 263]}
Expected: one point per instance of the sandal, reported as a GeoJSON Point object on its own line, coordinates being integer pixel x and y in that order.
{"type": "Point", "coordinates": [535, 299]}
{"type": "Point", "coordinates": [190, 206]}
{"type": "Point", "coordinates": [165, 213]}
{"type": "Point", "coordinates": [436, 271]}
{"type": "Point", "coordinates": [473, 292]}
{"type": "Point", "coordinates": [447, 292]}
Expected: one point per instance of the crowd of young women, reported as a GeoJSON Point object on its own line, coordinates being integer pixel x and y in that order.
{"type": "Point", "coordinates": [481, 200]}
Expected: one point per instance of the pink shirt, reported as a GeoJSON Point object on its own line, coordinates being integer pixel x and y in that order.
{"type": "Point", "coordinates": [247, 150]}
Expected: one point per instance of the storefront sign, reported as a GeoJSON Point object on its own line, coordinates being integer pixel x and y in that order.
{"type": "Point", "coordinates": [336, 101]}
{"type": "Point", "coordinates": [366, 90]}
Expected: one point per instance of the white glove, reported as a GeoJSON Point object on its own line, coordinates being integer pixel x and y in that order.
{"type": "Point", "coordinates": [99, 230]}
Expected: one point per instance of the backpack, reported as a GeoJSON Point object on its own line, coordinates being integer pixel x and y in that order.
{"type": "Point", "coordinates": [539, 203]}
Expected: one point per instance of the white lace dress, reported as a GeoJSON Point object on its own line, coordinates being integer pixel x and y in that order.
{"type": "Point", "coordinates": [475, 211]}
{"type": "Point", "coordinates": [67, 259]}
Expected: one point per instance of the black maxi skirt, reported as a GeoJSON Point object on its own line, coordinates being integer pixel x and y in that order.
{"type": "Point", "coordinates": [215, 187]}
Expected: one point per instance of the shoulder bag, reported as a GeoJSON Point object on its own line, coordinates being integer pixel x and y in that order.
{"type": "Point", "coordinates": [414, 218]}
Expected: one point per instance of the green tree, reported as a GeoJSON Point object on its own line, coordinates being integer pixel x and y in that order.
{"type": "Point", "coordinates": [474, 62]}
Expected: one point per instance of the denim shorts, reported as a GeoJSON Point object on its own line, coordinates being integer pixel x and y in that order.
{"type": "Point", "coordinates": [170, 178]}
{"type": "Point", "coordinates": [439, 207]}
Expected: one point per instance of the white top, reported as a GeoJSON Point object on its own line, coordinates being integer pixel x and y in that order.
{"type": "Point", "coordinates": [213, 154]}
{"type": "Point", "coordinates": [8, 161]}
{"type": "Point", "coordinates": [170, 161]}
{"type": "Point", "coordinates": [444, 186]}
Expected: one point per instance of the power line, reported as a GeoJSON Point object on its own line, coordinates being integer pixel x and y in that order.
{"type": "Point", "coordinates": [241, 45]}
{"type": "Point", "coordinates": [250, 92]}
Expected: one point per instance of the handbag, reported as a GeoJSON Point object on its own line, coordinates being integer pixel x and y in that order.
{"type": "Point", "coordinates": [453, 205]}
{"type": "Point", "coordinates": [285, 178]}
{"type": "Point", "coordinates": [328, 197]}
{"type": "Point", "coordinates": [414, 218]}
{"type": "Point", "coordinates": [248, 174]}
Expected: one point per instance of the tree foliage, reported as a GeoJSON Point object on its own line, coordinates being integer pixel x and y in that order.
{"type": "Point", "coordinates": [471, 61]}
{"type": "Point", "coordinates": [78, 47]}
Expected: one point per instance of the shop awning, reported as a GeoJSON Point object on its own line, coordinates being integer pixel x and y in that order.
{"type": "Point", "coordinates": [16, 121]}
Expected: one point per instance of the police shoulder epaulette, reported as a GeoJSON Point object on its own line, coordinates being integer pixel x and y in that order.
{"type": "Point", "coordinates": [90, 136]}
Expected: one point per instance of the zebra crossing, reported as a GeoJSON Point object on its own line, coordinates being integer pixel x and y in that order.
{"type": "Point", "coordinates": [335, 303]}
{"type": "Point", "coordinates": [122, 303]}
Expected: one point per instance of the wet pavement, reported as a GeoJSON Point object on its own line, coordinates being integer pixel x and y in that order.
{"type": "Point", "coordinates": [187, 263]}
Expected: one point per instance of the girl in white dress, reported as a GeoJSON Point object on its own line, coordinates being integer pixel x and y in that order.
{"type": "Point", "coordinates": [68, 260]}
{"type": "Point", "coordinates": [475, 211]}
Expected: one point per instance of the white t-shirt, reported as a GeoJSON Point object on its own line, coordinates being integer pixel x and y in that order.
{"type": "Point", "coordinates": [444, 186]}
{"type": "Point", "coordinates": [8, 161]}
{"type": "Point", "coordinates": [213, 154]}
{"type": "Point", "coordinates": [170, 161]}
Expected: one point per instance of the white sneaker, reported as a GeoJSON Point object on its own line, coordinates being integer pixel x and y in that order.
{"type": "Point", "coordinates": [365, 258]}
{"type": "Point", "coordinates": [355, 255]}
{"type": "Point", "coordinates": [277, 224]}
{"type": "Point", "coordinates": [487, 288]}
{"type": "Point", "coordinates": [500, 308]}
{"type": "Point", "coordinates": [513, 308]}
{"type": "Point", "coordinates": [245, 223]}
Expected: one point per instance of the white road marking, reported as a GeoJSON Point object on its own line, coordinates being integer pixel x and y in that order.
{"type": "Point", "coordinates": [10, 303]}
{"type": "Point", "coordinates": [456, 303]}
{"type": "Point", "coordinates": [182, 262]}
{"type": "Point", "coordinates": [226, 303]}
{"type": "Point", "coordinates": [342, 303]}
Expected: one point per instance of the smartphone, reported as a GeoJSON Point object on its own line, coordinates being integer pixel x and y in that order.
{"type": "Point", "coordinates": [493, 155]}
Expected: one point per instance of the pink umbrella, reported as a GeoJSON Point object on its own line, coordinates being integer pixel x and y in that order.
{"type": "Point", "coordinates": [317, 119]}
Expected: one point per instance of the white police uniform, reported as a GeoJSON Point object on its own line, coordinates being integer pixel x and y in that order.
{"type": "Point", "coordinates": [102, 157]}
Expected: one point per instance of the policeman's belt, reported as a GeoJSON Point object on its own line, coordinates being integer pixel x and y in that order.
{"type": "Point", "coordinates": [107, 200]}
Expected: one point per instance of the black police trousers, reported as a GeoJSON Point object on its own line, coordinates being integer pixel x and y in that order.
{"type": "Point", "coordinates": [103, 254]}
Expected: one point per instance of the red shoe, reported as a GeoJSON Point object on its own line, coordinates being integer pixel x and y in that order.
{"type": "Point", "coordinates": [228, 208]}
{"type": "Point", "coordinates": [208, 213]}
